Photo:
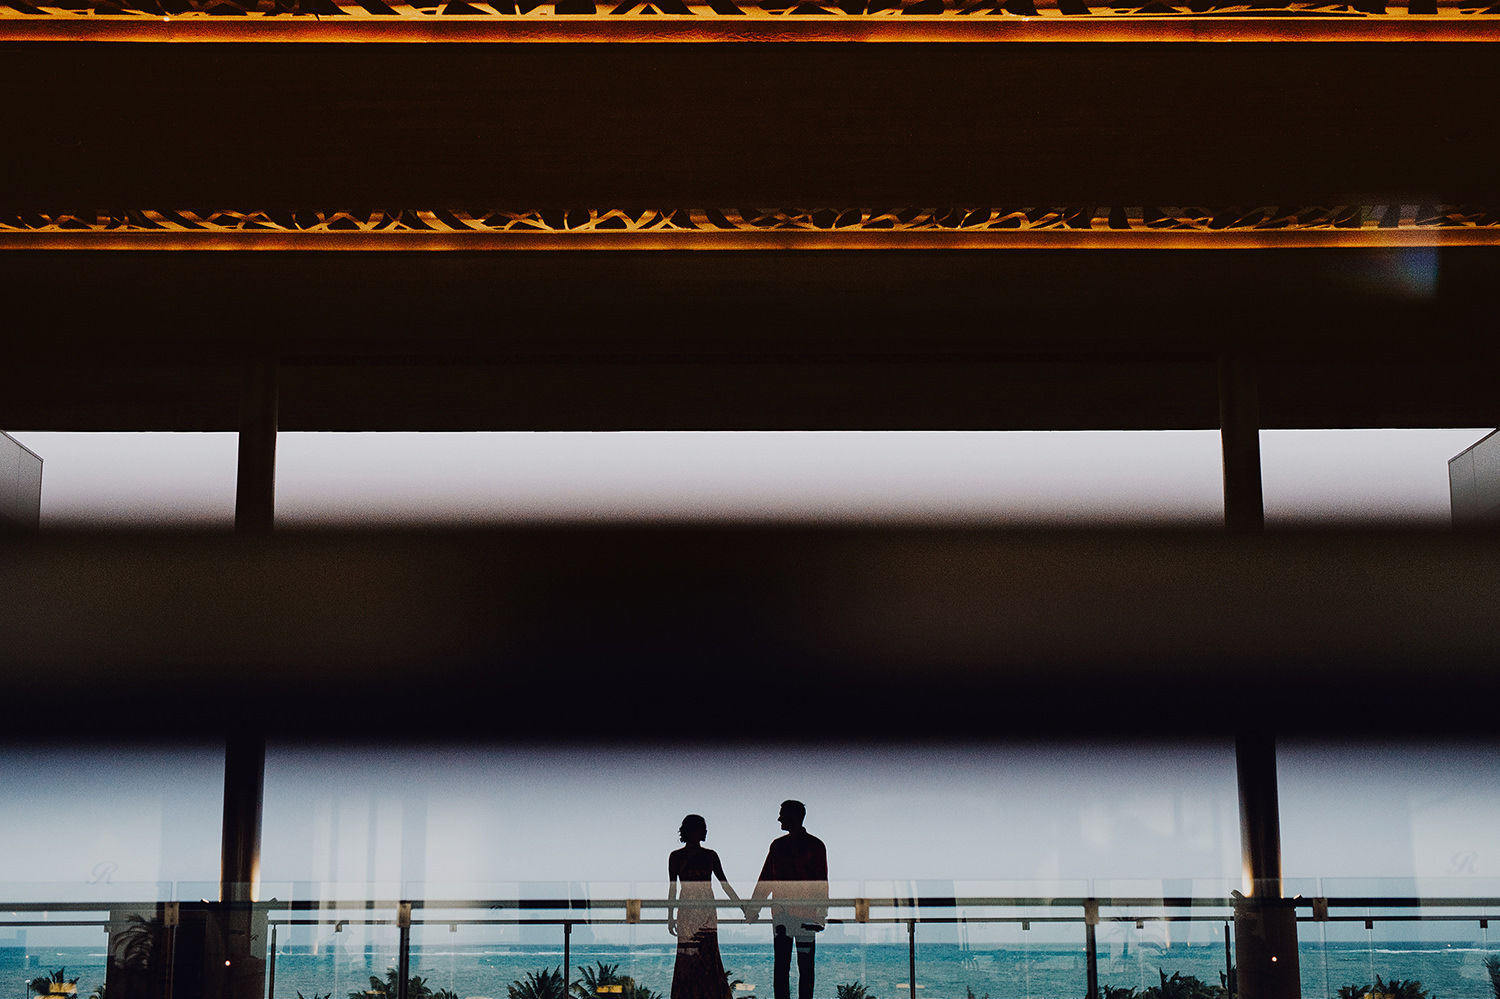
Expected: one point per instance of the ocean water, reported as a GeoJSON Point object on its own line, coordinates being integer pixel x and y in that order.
{"type": "Point", "coordinates": [944, 971]}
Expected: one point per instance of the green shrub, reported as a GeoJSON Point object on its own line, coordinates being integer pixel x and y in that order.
{"type": "Point", "coordinates": [1393, 989]}
{"type": "Point", "coordinates": [416, 988]}
{"type": "Point", "coordinates": [541, 984]}
{"type": "Point", "coordinates": [1181, 986]}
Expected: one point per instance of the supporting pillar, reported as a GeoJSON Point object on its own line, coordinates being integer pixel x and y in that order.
{"type": "Point", "coordinates": [1265, 926]}
{"type": "Point", "coordinates": [233, 949]}
{"type": "Point", "coordinates": [244, 748]}
{"type": "Point", "coordinates": [1239, 430]}
{"type": "Point", "coordinates": [244, 780]}
{"type": "Point", "coordinates": [255, 483]}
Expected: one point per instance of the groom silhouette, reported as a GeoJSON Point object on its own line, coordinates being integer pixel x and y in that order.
{"type": "Point", "coordinates": [796, 870]}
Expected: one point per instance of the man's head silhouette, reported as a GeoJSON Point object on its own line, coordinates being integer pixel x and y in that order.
{"type": "Point", "coordinates": [792, 815]}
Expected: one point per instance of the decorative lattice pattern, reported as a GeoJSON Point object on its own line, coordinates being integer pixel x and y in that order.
{"type": "Point", "coordinates": [740, 8]}
{"type": "Point", "coordinates": [1105, 219]}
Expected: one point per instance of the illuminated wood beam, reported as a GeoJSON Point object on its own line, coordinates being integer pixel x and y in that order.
{"type": "Point", "coordinates": [1368, 227]}
{"type": "Point", "coordinates": [202, 28]}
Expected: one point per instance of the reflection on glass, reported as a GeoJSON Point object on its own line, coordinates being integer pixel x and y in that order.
{"type": "Point", "coordinates": [886, 940]}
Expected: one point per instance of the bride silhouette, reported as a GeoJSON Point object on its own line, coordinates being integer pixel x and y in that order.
{"type": "Point", "coordinates": [699, 972]}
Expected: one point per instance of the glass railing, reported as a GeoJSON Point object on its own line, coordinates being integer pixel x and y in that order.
{"type": "Point", "coordinates": [596, 940]}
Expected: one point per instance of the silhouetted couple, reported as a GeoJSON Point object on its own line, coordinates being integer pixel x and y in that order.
{"type": "Point", "coordinates": [795, 879]}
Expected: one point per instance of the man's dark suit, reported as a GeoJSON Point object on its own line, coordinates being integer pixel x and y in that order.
{"type": "Point", "coordinates": [796, 868]}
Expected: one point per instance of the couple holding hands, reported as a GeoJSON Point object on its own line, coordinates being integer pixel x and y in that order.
{"type": "Point", "coordinates": [794, 877]}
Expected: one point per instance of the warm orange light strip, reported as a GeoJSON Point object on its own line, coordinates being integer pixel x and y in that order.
{"type": "Point", "coordinates": [1446, 27]}
{"type": "Point", "coordinates": [1049, 239]}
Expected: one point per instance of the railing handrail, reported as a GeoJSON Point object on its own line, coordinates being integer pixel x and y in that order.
{"type": "Point", "coordinates": [841, 902]}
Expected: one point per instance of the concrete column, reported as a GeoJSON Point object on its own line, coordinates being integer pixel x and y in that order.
{"type": "Point", "coordinates": [229, 946]}
{"type": "Point", "coordinates": [234, 941]}
{"type": "Point", "coordinates": [1239, 430]}
{"type": "Point", "coordinates": [1265, 927]}
{"type": "Point", "coordinates": [255, 483]}
{"type": "Point", "coordinates": [244, 781]}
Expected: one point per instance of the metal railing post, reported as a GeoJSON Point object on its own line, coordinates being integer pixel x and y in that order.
{"type": "Point", "coordinates": [911, 956]}
{"type": "Point", "coordinates": [1229, 982]}
{"type": "Point", "coordinates": [403, 953]}
{"type": "Point", "coordinates": [171, 916]}
{"type": "Point", "coordinates": [1091, 945]}
{"type": "Point", "coordinates": [567, 955]}
{"type": "Point", "coordinates": [271, 967]}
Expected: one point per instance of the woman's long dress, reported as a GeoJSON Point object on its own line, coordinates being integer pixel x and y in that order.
{"type": "Point", "coordinates": [699, 972]}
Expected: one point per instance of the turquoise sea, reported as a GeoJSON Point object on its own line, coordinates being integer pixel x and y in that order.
{"type": "Point", "coordinates": [944, 971]}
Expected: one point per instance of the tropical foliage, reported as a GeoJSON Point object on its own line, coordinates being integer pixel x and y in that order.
{"type": "Point", "coordinates": [1393, 989]}
{"type": "Point", "coordinates": [1181, 986]}
{"type": "Point", "coordinates": [1492, 965]}
{"type": "Point", "coordinates": [1116, 992]}
{"type": "Point", "coordinates": [389, 988]}
{"type": "Point", "coordinates": [57, 984]}
{"type": "Point", "coordinates": [131, 944]}
{"type": "Point", "coordinates": [858, 990]}
{"type": "Point", "coordinates": [591, 980]}
{"type": "Point", "coordinates": [543, 984]}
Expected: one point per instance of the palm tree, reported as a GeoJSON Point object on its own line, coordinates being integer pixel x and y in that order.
{"type": "Point", "coordinates": [56, 985]}
{"type": "Point", "coordinates": [543, 984]}
{"type": "Point", "coordinates": [1393, 989]}
{"type": "Point", "coordinates": [131, 945]}
{"type": "Point", "coordinates": [1181, 986]}
{"type": "Point", "coordinates": [854, 990]}
{"type": "Point", "coordinates": [416, 987]}
{"type": "Point", "coordinates": [591, 980]}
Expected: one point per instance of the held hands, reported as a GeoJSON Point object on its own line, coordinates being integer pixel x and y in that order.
{"type": "Point", "coordinates": [672, 925]}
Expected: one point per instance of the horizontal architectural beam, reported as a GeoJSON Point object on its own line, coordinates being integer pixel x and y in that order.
{"type": "Point", "coordinates": [1027, 21]}
{"type": "Point", "coordinates": [891, 339]}
{"type": "Point", "coordinates": [1089, 227]}
{"type": "Point", "coordinates": [880, 633]}
{"type": "Point", "coordinates": [894, 394]}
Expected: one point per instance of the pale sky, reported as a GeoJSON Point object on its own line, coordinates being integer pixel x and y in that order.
{"type": "Point", "coordinates": [1092, 477]}
{"type": "Point", "coordinates": [991, 819]}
